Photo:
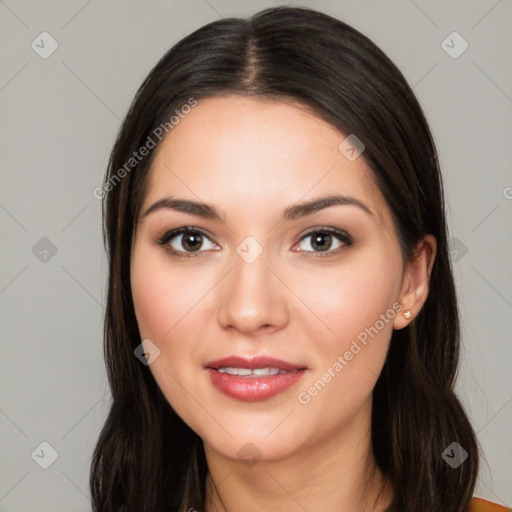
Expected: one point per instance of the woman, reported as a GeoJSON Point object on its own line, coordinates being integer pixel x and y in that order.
{"type": "Point", "coordinates": [281, 329]}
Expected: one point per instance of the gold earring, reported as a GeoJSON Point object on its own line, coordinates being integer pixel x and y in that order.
{"type": "Point", "coordinates": [407, 314]}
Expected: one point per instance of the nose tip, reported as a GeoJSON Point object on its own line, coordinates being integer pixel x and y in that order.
{"type": "Point", "coordinates": [252, 299]}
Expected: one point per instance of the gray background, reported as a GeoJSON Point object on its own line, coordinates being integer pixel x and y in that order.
{"type": "Point", "coordinates": [59, 116]}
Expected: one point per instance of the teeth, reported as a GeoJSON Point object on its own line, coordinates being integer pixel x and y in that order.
{"type": "Point", "coordinates": [265, 371]}
{"type": "Point", "coordinates": [247, 372]}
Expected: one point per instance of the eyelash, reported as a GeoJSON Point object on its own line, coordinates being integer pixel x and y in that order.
{"type": "Point", "coordinates": [164, 241]}
{"type": "Point", "coordinates": [341, 235]}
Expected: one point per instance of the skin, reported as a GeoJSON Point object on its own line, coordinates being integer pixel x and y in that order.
{"type": "Point", "coordinates": [252, 159]}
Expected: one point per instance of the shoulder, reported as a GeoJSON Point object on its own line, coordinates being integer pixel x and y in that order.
{"type": "Point", "coordinates": [480, 505]}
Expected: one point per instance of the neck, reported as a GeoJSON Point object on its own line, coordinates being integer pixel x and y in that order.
{"type": "Point", "coordinates": [335, 474]}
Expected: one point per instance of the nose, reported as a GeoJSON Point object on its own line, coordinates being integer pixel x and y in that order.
{"type": "Point", "coordinates": [252, 299]}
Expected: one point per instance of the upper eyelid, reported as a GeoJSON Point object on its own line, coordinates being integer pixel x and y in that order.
{"type": "Point", "coordinates": [172, 233]}
{"type": "Point", "coordinates": [343, 236]}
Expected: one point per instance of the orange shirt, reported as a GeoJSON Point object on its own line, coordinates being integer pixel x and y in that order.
{"type": "Point", "coordinates": [480, 505]}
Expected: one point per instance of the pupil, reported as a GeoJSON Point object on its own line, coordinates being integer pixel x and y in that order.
{"type": "Point", "coordinates": [192, 241]}
{"type": "Point", "coordinates": [322, 242]}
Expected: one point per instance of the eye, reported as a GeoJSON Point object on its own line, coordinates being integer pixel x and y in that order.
{"type": "Point", "coordinates": [324, 241]}
{"type": "Point", "coordinates": [187, 242]}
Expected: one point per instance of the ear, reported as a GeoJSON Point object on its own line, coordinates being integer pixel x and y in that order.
{"type": "Point", "coordinates": [416, 280]}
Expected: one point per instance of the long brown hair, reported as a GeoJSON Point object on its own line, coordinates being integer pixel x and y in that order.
{"type": "Point", "coordinates": [147, 458]}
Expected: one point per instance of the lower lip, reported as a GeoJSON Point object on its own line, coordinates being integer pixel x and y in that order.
{"type": "Point", "coordinates": [253, 389]}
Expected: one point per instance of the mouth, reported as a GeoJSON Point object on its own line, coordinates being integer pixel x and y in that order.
{"type": "Point", "coordinates": [253, 379]}
{"type": "Point", "coordinates": [249, 365]}
{"type": "Point", "coordinates": [253, 373]}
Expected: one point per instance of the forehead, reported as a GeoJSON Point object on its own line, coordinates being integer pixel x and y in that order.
{"type": "Point", "coordinates": [233, 149]}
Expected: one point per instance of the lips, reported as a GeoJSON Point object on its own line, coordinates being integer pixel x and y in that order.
{"type": "Point", "coordinates": [253, 379]}
{"type": "Point", "coordinates": [253, 363]}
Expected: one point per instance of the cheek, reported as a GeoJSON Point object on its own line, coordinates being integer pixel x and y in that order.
{"type": "Point", "coordinates": [167, 302]}
{"type": "Point", "coordinates": [163, 295]}
{"type": "Point", "coordinates": [352, 296]}
{"type": "Point", "coordinates": [355, 306]}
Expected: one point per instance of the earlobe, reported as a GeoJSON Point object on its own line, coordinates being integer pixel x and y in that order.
{"type": "Point", "coordinates": [416, 282]}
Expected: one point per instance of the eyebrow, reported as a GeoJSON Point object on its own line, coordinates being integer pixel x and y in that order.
{"type": "Point", "coordinates": [291, 213]}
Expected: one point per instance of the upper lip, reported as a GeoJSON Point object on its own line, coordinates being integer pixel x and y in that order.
{"type": "Point", "coordinates": [252, 363]}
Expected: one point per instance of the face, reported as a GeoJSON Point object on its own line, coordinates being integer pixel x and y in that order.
{"type": "Point", "coordinates": [310, 292]}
